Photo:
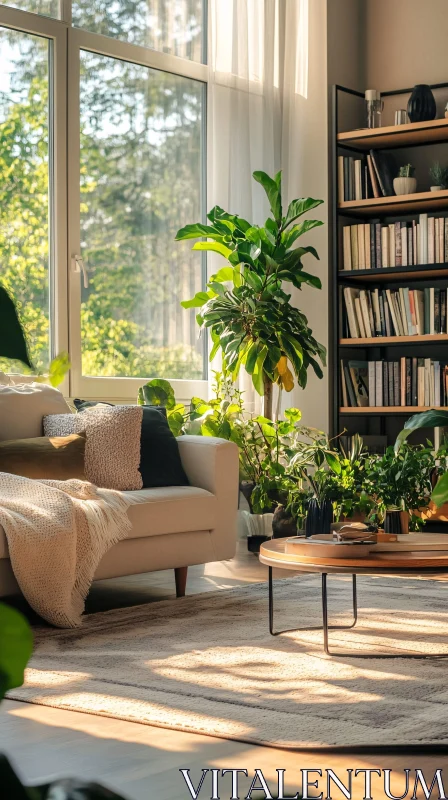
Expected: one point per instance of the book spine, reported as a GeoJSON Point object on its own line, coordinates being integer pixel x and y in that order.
{"type": "Point", "coordinates": [396, 373]}
{"type": "Point", "coordinates": [367, 245]}
{"type": "Point", "coordinates": [437, 328]}
{"type": "Point", "coordinates": [432, 327]}
{"type": "Point", "coordinates": [343, 386]}
{"type": "Point", "coordinates": [391, 245]}
{"type": "Point", "coordinates": [352, 324]}
{"type": "Point", "coordinates": [414, 242]}
{"type": "Point", "coordinates": [354, 243]}
{"type": "Point", "coordinates": [384, 246]}
{"type": "Point", "coordinates": [359, 317]}
{"type": "Point", "coordinates": [372, 246]}
{"type": "Point", "coordinates": [350, 389]}
{"type": "Point", "coordinates": [386, 326]}
{"type": "Point", "coordinates": [347, 248]}
{"type": "Point", "coordinates": [414, 381]}
{"type": "Point", "coordinates": [437, 384]}
{"type": "Point", "coordinates": [420, 382]}
{"type": "Point", "coordinates": [361, 247]}
{"type": "Point", "coordinates": [358, 180]}
{"type": "Point", "coordinates": [402, 381]}
{"type": "Point", "coordinates": [341, 195]}
{"type": "Point", "coordinates": [385, 384]}
{"type": "Point", "coordinates": [431, 241]}
{"type": "Point", "coordinates": [446, 241]}
{"type": "Point", "coordinates": [410, 248]}
{"type": "Point", "coordinates": [376, 312]}
{"type": "Point", "coordinates": [371, 368]}
{"type": "Point", "coordinates": [390, 375]}
{"type": "Point", "coordinates": [427, 301]}
{"type": "Point", "coordinates": [378, 384]}
{"type": "Point", "coordinates": [423, 223]}
{"type": "Point", "coordinates": [378, 259]}
{"type": "Point", "coordinates": [398, 248]}
{"type": "Point", "coordinates": [373, 178]}
{"type": "Point", "coordinates": [442, 239]}
{"type": "Point", "coordinates": [404, 245]}
{"type": "Point", "coordinates": [427, 363]}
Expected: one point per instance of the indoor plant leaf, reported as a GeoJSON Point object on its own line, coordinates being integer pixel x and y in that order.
{"type": "Point", "coordinates": [298, 207]}
{"type": "Point", "coordinates": [196, 230]}
{"type": "Point", "coordinates": [433, 418]}
{"type": "Point", "coordinates": [12, 338]}
{"type": "Point", "coordinates": [272, 187]}
{"type": "Point", "coordinates": [440, 492]}
{"type": "Point", "coordinates": [16, 645]}
{"type": "Point", "coordinates": [216, 247]}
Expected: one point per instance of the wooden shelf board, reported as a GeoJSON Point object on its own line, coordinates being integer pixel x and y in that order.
{"type": "Point", "coordinates": [387, 409]}
{"type": "Point", "coordinates": [378, 341]}
{"type": "Point", "coordinates": [396, 204]}
{"type": "Point", "coordinates": [395, 273]}
{"type": "Point", "coordinates": [393, 136]}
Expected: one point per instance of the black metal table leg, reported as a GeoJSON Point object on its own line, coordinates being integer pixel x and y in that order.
{"type": "Point", "coordinates": [317, 627]}
{"type": "Point", "coordinates": [327, 627]}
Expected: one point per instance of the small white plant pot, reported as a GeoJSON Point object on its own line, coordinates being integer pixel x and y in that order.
{"type": "Point", "coordinates": [405, 185]}
{"type": "Point", "coordinates": [436, 188]}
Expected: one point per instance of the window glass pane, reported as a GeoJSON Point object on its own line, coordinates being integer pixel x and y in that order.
{"type": "Point", "coordinates": [170, 26]}
{"type": "Point", "coordinates": [141, 179]}
{"type": "Point", "coordinates": [48, 8]}
{"type": "Point", "coordinates": [24, 185]}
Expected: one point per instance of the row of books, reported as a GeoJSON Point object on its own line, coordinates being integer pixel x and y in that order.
{"type": "Point", "coordinates": [368, 176]}
{"type": "Point", "coordinates": [372, 245]}
{"type": "Point", "coordinates": [400, 312]}
{"type": "Point", "coordinates": [407, 382]}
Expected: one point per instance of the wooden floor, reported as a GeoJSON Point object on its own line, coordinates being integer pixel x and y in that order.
{"type": "Point", "coordinates": [142, 762]}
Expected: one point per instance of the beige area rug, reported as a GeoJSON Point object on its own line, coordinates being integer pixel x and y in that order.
{"type": "Point", "coordinates": [207, 664]}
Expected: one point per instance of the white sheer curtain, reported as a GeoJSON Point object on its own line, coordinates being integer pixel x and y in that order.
{"type": "Point", "coordinates": [258, 64]}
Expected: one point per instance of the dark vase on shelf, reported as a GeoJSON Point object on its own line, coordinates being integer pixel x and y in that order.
{"type": "Point", "coordinates": [421, 105]}
{"type": "Point", "coordinates": [392, 522]}
{"type": "Point", "coordinates": [319, 517]}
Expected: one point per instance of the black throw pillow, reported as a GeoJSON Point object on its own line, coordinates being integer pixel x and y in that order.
{"type": "Point", "coordinates": [160, 463]}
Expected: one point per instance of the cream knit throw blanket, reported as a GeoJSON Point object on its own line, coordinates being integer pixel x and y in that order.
{"type": "Point", "coordinates": [57, 533]}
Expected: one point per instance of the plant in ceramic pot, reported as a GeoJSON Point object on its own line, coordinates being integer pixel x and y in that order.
{"type": "Point", "coordinates": [405, 183]}
{"type": "Point", "coordinates": [399, 483]}
{"type": "Point", "coordinates": [334, 481]}
{"type": "Point", "coordinates": [438, 176]}
{"type": "Point", "coordinates": [245, 307]}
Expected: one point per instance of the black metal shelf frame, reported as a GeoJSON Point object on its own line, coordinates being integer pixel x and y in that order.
{"type": "Point", "coordinates": [334, 272]}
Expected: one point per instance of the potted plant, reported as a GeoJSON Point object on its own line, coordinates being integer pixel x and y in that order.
{"type": "Point", "coordinates": [399, 484]}
{"type": "Point", "coordinates": [433, 418]}
{"type": "Point", "coordinates": [405, 183]}
{"type": "Point", "coordinates": [245, 307]}
{"type": "Point", "coordinates": [438, 176]}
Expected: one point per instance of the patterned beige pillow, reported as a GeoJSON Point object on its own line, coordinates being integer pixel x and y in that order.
{"type": "Point", "coordinates": [112, 457]}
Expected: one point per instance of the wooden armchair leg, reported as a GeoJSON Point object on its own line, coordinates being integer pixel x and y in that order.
{"type": "Point", "coordinates": [180, 575]}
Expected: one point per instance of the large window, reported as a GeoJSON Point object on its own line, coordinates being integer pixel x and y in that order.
{"type": "Point", "coordinates": [177, 27]}
{"type": "Point", "coordinates": [92, 260]}
{"type": "Point", "coordinates": [141, 172]}
{"type": "Point", "coordinates": [24, 184]}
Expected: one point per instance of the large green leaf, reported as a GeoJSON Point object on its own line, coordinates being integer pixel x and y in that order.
{"type": "Point", "coordinates": [12, 338]}
{"type": "Point", "coordinates": [216, 247]}
{"type": "Point", "coordinates": [157, 392]}
{"type": "Point", "coordinates": [272, 187]}
{"type": "Point", "coordinates": [58, 369]}
{"type": "Point", "coordinates": [290, 236]}
{"type": "Point", "coordinates": [433, 418]}
{"type": "Point", "coordinates": [16, 645]}
{"type": "Point", "coordinates": [198, 300]}
{"type": "Point", "coordinates": [440, 493]}
{"type": "Point", "coordinates": [298, 207]}
{"type": "Point", "coordinates": [196, 231]}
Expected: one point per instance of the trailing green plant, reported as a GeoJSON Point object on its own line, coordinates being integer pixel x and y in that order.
{"type": "Point", "coordinates": [439, 175]}
{"type": "Point", "coordinates": [406, 171]}
{"type": "Point", "coordinates": [245, 308]}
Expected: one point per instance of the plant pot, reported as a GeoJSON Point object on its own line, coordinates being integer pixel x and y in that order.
{"type": "Point", "coordinates": [396, 521]}
{"type": "Point", "coordinates": [283, 524]}
{"type": "Point", "coordinates": [259, 529]}
{"type": "Point", "coordinates": [319, 517]}
{"type": "Point", "coordinates": [421, 105]}
{"type": "Point", "coordinates": [405, 185]}
{"type": "Point", "coordinates": [436, 188]}
{"type": "Point", "coordinates": [254, 543]}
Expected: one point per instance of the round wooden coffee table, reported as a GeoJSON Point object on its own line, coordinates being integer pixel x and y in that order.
{"type": "Point", "coordinates": [415, 563]}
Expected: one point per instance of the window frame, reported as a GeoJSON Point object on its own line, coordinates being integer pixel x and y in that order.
{"type": "Point", "coordinates": [65, 311]}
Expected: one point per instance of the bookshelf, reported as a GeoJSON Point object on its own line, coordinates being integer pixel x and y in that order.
{"type": "Point", "coordinates": [379, 420]}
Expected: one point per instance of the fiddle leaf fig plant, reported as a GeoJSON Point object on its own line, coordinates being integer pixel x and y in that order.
{"type": "Point", "coordinates": [245, 307]}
